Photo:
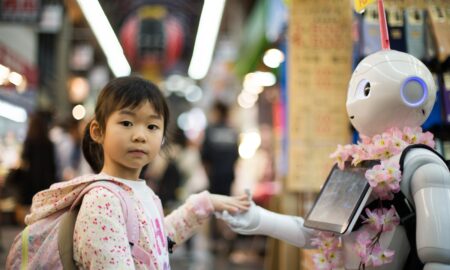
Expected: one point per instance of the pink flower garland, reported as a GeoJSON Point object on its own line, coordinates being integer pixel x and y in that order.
{"type": "Point", "coordinates": [385, 182]}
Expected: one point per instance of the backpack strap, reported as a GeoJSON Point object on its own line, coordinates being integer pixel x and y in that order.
{"type": "Point", "coordinates": [132, 224]}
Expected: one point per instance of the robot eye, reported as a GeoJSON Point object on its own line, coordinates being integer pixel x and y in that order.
{"type": "Point", "coordinates": [414, 91]}
{"type": "Point", "coordinates": [367, 89]}
{"type": "Point", "coordinates": [363, 89]}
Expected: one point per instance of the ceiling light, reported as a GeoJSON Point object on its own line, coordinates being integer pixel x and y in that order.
{"type": "Point", "coordinates": [205, 40]}
{"type": "Point", "coordinates": [106, 37]}
{"type": "Point", "coordinates": [13, 112]}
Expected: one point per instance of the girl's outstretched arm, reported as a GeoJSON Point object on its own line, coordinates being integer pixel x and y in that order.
{"type": "Point", "coordinates": [183, 222]}
{"type": "Point", "coordinates": [233, 205]}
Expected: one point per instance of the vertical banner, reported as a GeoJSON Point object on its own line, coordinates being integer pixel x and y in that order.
{"type": "Point", "coordinates": [319, 69]}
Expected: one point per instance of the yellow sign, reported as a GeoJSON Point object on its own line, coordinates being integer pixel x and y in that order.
{"type": "Point", "coordinates": [360, 5]}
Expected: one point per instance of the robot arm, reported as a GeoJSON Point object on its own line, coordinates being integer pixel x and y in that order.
{"type": "Point", "coordinates": [258, 220]}
{"type": "Point", "coordinates": [426, 180]}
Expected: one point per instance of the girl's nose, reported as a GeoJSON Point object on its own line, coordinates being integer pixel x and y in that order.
{"type": "Point", "coordinates": [138, 135]}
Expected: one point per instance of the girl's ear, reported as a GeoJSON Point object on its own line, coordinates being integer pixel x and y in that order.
{"type": "Point", "coordinates": [96, 132]}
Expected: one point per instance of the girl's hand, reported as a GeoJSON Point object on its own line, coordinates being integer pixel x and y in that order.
{"type": "Point", "coordinates": [233, 204]}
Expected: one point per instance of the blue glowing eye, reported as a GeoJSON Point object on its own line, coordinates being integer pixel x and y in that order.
{"type": "Point", "coordinates": [414, 91]}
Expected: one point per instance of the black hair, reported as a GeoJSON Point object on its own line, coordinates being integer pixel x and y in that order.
{"type": "Point", "coordinates": [39, 126]}
{"type": "Point", "coordinates": [222, 109]}
{"type": "Point", "coordinates": [119, 93]}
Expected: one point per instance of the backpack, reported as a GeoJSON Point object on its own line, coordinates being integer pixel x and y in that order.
{"type": "Point", "coordinates": [48, 243]}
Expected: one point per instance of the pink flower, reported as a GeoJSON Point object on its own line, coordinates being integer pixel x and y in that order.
{"type": "Point", "coordinates": [335, 258]}
{"type": "Point", "coordinates": [389, 151]}
{"type": "Point", "coordinates": [328, 261]}
{"type": "Point", "coordinates": [321, 262]}
{"type": "Point", "coordinates": [381, 219]}
{"type": "Point", "coordinates": [379, 141]}
{"type": "Point", "coordinates": [384, 178]}
{"type": "Point", "coordinates": [364, 238]}
{"type": "Point", "coordinates": [390, 219]}
{"type": "Point", "coordinates": [398, 144]}
{"type": "Point", "coordinates": [362, 244]}
{"type": "Point", "coordinates": [359, 154]}
{"type": "Point", "coordinates": [412, 135]}
{"type": "Point", "coordinates": [381, 256]}
{"type": "Point", "coordinates": [379, 181]}
{"type": "Point", "coordinates": [373, 220]}
{"type": "Point", "coordinates": [427, 138]}
{"type": "Point", "coordinates": [325, 241]}
{"type": "Point", "coordinates": [341, 155]}
{"type": "Point", "coordinates": [392, 168]}
{"type": "Point", "coordinates": [329, 256]}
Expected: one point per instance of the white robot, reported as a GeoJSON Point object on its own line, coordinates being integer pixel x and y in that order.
{"type": "Point", "coordinates": [387, 89]}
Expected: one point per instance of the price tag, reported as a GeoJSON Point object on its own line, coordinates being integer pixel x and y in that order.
{"type": "Point", "coordinates": [360, 5]}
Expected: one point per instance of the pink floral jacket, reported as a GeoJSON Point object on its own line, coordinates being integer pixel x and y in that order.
{"type": "Point", "coordinates": [100, 240]}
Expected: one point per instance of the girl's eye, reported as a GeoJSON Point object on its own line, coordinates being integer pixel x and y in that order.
{"type": "Point", "coordinates": [126, 123]}
{"type": "Point", "coordinates": [152, 127]}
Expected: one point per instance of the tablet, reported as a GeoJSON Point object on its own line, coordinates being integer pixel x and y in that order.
{"type": "Point", "coordinates": [341, 199]}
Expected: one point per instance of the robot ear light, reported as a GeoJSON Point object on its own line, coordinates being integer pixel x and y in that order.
{"type": "Point", "coordinates": [414, 91]}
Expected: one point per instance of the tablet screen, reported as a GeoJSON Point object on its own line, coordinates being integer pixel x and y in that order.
{"type": "Point", "coordinates": [341, 199]}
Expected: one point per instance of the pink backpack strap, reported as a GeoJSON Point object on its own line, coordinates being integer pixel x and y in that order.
{"type": "Point", "coordinates": [130, 214]}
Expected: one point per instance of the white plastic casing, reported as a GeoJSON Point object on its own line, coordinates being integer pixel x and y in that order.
{"type": "Point", "coordinates": [402, 92]}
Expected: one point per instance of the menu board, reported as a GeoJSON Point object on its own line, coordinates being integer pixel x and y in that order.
{"type": "Point", "coordinates": [319, 57]}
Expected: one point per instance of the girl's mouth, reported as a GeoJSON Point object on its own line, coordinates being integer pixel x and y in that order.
{"type": "Point", "coordinates": [137, 152]}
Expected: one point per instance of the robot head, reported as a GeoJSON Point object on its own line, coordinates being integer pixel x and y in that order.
{"type": "Point", "coordinates": [389, 89]}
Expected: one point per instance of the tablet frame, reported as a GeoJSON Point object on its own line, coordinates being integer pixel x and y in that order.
{"type": "Point", "coordinates": [347, 227]}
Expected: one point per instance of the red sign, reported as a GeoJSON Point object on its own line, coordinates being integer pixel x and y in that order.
{"type": "Point", "coordinates": [11, 60]}
{"type": "Point", "coordinates": [20, 10]}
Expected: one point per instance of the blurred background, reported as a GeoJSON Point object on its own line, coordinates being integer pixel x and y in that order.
{"type": "Point", "coordinates": [259, 83]}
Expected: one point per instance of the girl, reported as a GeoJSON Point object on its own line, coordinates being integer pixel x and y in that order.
{"type": "Point", "coordinates": [127, 132]}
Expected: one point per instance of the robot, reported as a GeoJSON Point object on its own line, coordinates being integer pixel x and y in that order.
{"type": "Point", "coordinates": [387, 89]}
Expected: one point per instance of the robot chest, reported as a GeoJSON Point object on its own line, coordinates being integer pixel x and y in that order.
{"type": "Point", "coordinates": [395, 240]}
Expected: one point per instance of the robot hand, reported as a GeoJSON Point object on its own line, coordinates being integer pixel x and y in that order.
{"type": "Point", "coordinates": [259, 221]}
{"type": "Point", "coordinates": [242, 223]}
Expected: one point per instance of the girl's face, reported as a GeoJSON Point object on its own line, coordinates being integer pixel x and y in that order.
{"type": "Point", "coordinates": [132, 139]}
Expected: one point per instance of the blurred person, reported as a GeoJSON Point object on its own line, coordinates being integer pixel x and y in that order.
{"type": "Point", "coordinates": [186, 156]}
{"type": "Point", "coordinates": [178, 174]}
{"type": "Point", "coordinates": [188, 160]}
{"type": "Point", "coordinates": [67, 139]}
{"type": "Point", "coordinates": [258, 172]}
{"type": "Point", "coordinates": [38, 162]}
{"type": "Point", "coordinates": [219, 153]}
{"type": "Point", "coordinates": [164, 177]}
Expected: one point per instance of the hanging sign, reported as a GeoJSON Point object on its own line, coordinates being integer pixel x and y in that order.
{"type": "Point", "coordinates": [319, 68]}
{"type": "Point", "coordinates": [20, 10]}
{"type": "Point", "coordinates": [360, 5]}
